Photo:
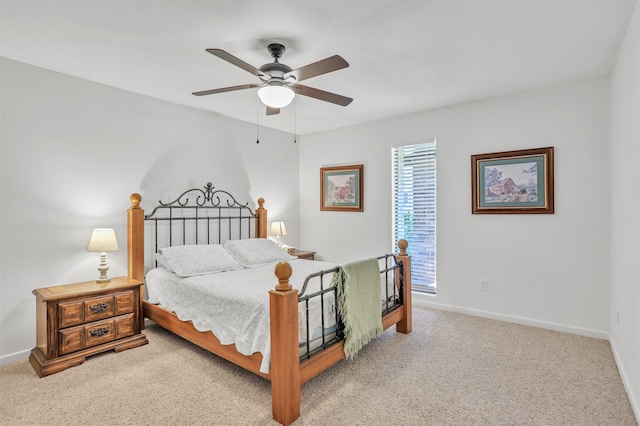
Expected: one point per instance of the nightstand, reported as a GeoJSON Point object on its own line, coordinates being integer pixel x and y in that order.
{"type": "Point", "coordinates": [74, 321]}
{"type": "Point", "coordinates": [302, 254]}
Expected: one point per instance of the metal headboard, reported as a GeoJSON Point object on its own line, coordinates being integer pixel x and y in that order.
{"type": "Point", "coordinates": [201, 216]}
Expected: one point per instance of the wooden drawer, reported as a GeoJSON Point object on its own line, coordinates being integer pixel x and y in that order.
{"type": "Point", "coordinates": [96, 333]}
{"type": "Point", "coordinates": [90, 309]}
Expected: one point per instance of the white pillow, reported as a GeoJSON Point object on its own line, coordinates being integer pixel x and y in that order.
{"type": "Point", "coordinates": [200, 259]}
{"type": "Point", "coordinates": [254, 252]}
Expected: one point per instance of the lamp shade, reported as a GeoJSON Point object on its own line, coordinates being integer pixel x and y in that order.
{"type": "Point", "coordinates": [103, 239]}
{"type": "Point", "coordinates": [276, 96]}
{"type": "Point", "coordinates": [278, 228]}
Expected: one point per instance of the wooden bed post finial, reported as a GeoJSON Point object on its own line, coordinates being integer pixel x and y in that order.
{"type": "Point", "coordinates": [283, 271]}
{"type": "Point", "coordinates": [135, 199]}
{"type": "Point", "coordinates": [402, 245]}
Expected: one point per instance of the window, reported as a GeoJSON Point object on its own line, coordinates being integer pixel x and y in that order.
{"type": "Point", "coordinates": [414, 209]}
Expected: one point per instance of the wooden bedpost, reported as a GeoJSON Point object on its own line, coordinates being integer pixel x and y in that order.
{"type": "Point", "coordinates": [261, 220]}
{"type": "Point", "coordinates": [135, 239]}
{"type": "Point", "coordinates": [285, 362]}
{"type": "Point", "coordinates": [406, 324]}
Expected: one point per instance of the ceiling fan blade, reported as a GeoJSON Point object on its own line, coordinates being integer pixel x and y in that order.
{"type": "Point", "coordinates": [321, 94]}
{"type": "Point", "coordinates": [333, 63]}
{"type": "Point", "coordinates": [272, 111]}
{"type": "Point", "coordinates": [238, 62]}
{"type": "Point", "coordinates": [225, 89]}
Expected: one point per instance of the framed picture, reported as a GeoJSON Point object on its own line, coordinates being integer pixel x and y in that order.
{"type": "Point", "coordinates": [341, 188]}
{"type": "Point", "coordinates": [512, 182]}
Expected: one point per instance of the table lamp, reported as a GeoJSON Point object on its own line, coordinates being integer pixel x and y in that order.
{"type": "Point", "coordinates": [277, 229]}
{"type": "Point", "coordinates": [103, 240]}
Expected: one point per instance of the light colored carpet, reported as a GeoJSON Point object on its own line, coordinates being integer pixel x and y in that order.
{"type": "Point", "coordinates": [452, 370]}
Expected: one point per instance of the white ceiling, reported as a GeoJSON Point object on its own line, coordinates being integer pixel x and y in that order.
{"type": "Point", "coordinates": [404, 56]}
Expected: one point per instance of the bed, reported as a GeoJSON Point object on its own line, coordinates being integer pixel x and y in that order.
{"type": "Point", "coordinates": [297, 299]}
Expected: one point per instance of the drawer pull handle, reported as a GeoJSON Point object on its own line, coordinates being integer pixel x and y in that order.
{"type": "Point", "coordinates": [100, 307]}
{"type": "Point", "coordinates": [98, 332]}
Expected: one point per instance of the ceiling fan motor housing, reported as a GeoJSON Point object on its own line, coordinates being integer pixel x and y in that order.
{"type": "Point", "coordinates": [275, 69]}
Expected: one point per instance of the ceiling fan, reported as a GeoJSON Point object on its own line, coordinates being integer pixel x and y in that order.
{"type": "Point", "coordinates": [279, 83]}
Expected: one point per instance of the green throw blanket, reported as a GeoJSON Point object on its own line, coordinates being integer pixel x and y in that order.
{"type": "Point", "coordinates": [358, 285]}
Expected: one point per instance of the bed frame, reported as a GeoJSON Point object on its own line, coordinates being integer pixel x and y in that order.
{"type": "Point", "coordinates": [287, 372]}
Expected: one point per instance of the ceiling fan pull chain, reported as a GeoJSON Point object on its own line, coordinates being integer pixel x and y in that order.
{"type": "Point", "coordinates": [295, 121]}
{"type": "Point", "coordinates": [257, 127]}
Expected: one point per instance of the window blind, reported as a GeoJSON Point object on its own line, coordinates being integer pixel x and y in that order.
{"type": "Point", "coordinates": [414, 209]}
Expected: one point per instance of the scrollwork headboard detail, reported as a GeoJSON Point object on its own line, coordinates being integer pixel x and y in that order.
{"type": "Point", "coordinates": [202, 216]}
{"type": "Point", "coordinates": [204, 198]}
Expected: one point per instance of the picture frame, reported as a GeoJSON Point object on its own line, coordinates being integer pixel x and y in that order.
{"type": "Point", "coordinates": [513, 182]}
{"type": "Point", "coordinates": [341, 188]}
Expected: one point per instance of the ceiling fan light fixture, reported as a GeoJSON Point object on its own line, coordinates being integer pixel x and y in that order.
{"type": "Point", "coordinates": [276, 95]}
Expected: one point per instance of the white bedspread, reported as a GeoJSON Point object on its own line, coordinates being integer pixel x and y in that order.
{"type": "Point", "coordinates": [235, 305]}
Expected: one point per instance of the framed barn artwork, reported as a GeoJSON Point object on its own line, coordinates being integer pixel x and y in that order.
{"type": "Point", "coordinates": [513, 182]}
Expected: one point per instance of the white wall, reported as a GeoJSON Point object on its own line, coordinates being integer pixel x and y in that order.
{"type": "Point", "coordinates": [73, 151]}
{"type": "Point", "coordinates": [625, 205]}
{"type": "Point", "coordinates": [545, 270]}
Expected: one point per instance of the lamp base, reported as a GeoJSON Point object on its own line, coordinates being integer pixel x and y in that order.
{"type": "Point", "coordinates": [103, 268]}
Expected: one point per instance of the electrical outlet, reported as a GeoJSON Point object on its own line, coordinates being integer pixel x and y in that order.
{"type": "Point", "coordinates": [484, 285]}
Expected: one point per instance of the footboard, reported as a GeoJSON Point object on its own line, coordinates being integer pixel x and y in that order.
{"type": "Point", "coordinates": [286, 379]}
{"type": "Point", "coordinates": [325, 331]}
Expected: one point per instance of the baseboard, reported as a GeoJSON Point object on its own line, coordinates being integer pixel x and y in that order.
{"type": "Point", "coordinates": [427, 301]}
{"type": "Point", "coordinates": [633, 399]}
{"type": "Point", "coordinates": [16, 356]}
